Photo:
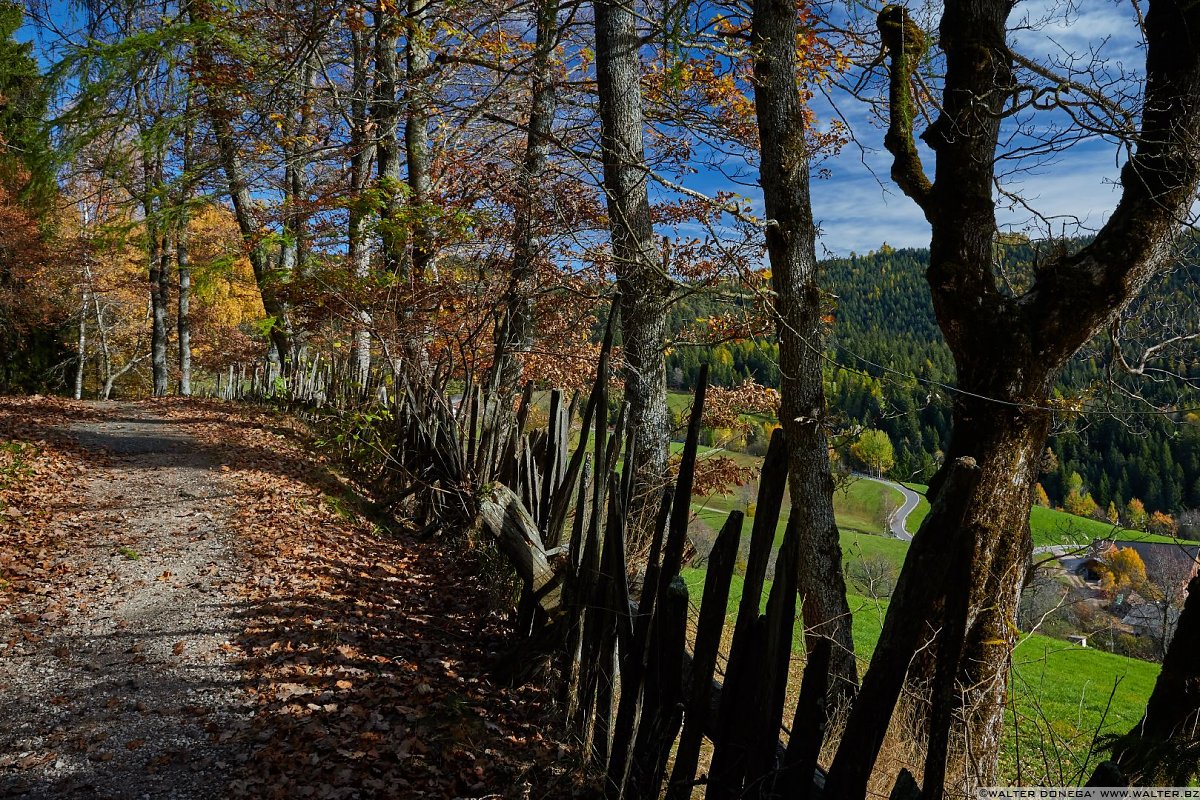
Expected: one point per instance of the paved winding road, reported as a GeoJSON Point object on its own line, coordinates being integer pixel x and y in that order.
{"type": "Point", "coordinates": [898, 521]}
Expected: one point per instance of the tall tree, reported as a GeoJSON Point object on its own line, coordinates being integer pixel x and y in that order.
{"type": "Point", "coordinates": [514, 333]}
{"type": "Point", "coordinates": [26, 158]}
{"type": "Point", "coordinates": [183, 247]}
{"type": "Point", "coordinates": [215, 80]}
{"type": "Point", "coordinates": [27, 191]}
{"type": "Point", "coordinates": [795, 278]}
{"type": "Point", "coordinates": [967, 563]}
{"type": "Point", "coordinates": [362, 156]}
{"type": "Point", "coordinates": [153, 91]}
{"type": "Point", "coordinates": [159, 258]}
{"type": "Point", "coordinates": [295, 89]}
{"type": "Point", "coordinates": [183, 322]}
{"type": "Point", "coordinates": [387, 118]}
{"type": "Point", "coordinates": [642, 278]}
{"type": "Point", "coordinates": [416, 133]}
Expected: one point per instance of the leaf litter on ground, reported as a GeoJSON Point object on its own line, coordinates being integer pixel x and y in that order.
{"type": "Point", "coordinates": [371, 652]}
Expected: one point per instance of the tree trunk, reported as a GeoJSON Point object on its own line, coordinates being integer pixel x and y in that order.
{"type": "Point", "coordinates": [221, 117]}
{"type": "Point", "coordinates": [989, 559]}
{"type": "Point", "coordinates": [387, 118]}
{"type": "Point", "coordinates": [1162, 749]}
{"type": "Point", "coordinates": [158, 254]}
{"type": "Point", "coordinates": [514, 334]}
{"type": "Point", "coordinates": [160, 270]}
{"type": "Point", "coordinates": [965, 568]}
{"type": "Point", "coordinates": [791, 245]}
{"type": "Point", "coordinates": [416, 136]}
{"type": "Point", "coordinates": [641, 278]}
{"type": "Point", "coordinates": [294, 222]}
{"type": "Point", "coordinates": [102, 335]}
{"type": "Point", "coordinates": [158, 259]}
{"type": "Point", "coordinates": [81, 345]}
{"type": "Point", "coordinates": [362, 153]}
{"type": "Point", "coordinates": [182, 261]}
{"type": "Point", "coordinates": [185, 298]}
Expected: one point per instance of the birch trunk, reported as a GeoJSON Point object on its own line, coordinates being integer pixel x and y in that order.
{"type": "Point", "coordinates": [362, 153]}
{"type": "Point", "coordinates": [81, 344]}
{"type": "Point", "coordinates": [160, 262]}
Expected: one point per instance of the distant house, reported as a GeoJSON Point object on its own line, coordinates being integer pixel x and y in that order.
{"type": "Point", "coordinates": [1125, 602]}
{"type": "Point", "coordinates": [1087, 567]}
{"type": "Point", "coordinates": [1148, 620]}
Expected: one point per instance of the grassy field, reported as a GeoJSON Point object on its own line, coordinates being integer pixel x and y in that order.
{"type": "Point", "coordinates": [860, 506]}
{"type": "Point", "coordinates": [921, 511]}
{"type": "Point", "coordinates": [1060, 695]}
{"type": "Point", "coordinates": [864, 506]}
{"type": "Point", "coordinates": [863, 546]}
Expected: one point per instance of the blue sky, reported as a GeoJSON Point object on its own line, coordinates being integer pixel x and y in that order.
{"type": "Point", "coordinates": [858, 208]}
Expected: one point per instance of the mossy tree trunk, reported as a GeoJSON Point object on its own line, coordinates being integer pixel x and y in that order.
{"type": "Point", "coordinates": [965, 569]}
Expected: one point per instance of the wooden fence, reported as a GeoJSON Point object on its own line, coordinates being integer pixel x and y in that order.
{"type": "Point", "coordinates": [638, 688]}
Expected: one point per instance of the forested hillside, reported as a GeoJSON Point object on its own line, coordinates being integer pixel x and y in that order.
{"type": "Point", "coordinates": [888, 367]}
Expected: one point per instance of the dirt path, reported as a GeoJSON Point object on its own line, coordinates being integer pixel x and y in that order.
{"type": "Point", "coordinates": [127, 687]}
{"type": "Point", "coordinates": [194, 603]}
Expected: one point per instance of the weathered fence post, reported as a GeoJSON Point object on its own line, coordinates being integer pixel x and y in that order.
{"type": "Point", "coordinates": [713, 610]}
{"type": "Point", "coordinates": [663, 709]}
{"type": "Point", "coordinates": [729, 761]}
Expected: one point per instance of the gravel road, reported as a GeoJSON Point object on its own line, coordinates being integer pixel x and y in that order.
{"type": "Point", "coordinates": [132, 691]}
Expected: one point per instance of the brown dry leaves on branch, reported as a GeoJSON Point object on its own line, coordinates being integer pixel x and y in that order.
{"type": "Point", "coordinates": [724, 407]}
{"type": "Point", "coordinates": [369, 651]}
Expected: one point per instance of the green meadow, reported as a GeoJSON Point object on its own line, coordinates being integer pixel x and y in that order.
{"type": "Point", "coordinates": [1060, 696]}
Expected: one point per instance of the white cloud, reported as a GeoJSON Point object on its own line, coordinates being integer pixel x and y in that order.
{"type": "Point", "coordinates": [856, 213]}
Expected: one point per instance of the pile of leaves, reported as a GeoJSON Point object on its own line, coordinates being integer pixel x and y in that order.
{"type": "Point", "coordinates": [370, 652]}
{"type": "Point", "coordinates": [40, 473]}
